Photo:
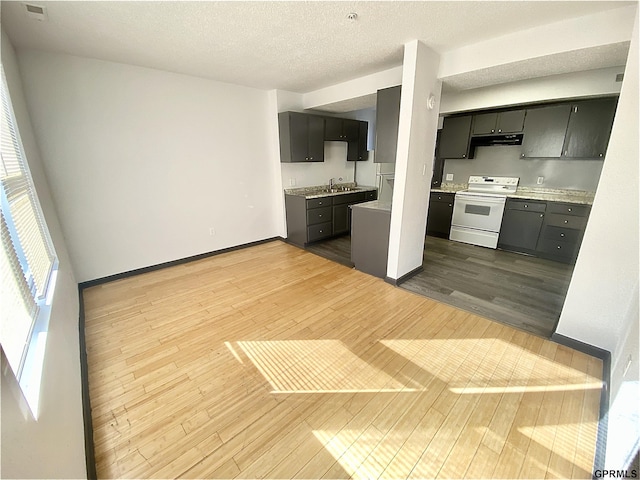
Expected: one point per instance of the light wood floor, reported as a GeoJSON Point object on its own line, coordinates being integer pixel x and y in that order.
{"type": "Point", "coordinates": [272, 362]}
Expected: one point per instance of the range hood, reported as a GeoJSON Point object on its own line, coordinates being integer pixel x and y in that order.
{"type": "Point", "coordinates": [493, 140]}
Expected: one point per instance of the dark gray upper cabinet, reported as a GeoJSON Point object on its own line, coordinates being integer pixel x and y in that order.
{"type": "Point", "coordinates": [341, 129]}
{"type": "Point", "coordinates": [511, 121]}
{"type": "Point", "coordinates": [454, 139]}
{"type": "Point", "coordinates": [357, 148]}
{"type": "Point", "coordinates": [589, 128]}
{"type": "Point", "coordinates": [301, 137]}
{"type": "Point", "coordinates": [387, 120]}
{"type": "Point", "coordinates": [544, 131]}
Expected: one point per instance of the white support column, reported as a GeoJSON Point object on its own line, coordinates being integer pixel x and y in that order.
{"type": "Point", "coordinates": [414, 160]}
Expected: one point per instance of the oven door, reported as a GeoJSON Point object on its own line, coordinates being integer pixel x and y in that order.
{"type": "Point", "coordinates": [478, 211]}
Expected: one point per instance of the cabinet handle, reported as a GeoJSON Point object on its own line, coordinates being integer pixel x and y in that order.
{"type": "Point", "coordinates": [310, 158]}
{"type": "Point", "coordinates": [492, 130]}
{"type": "Point", "coordinates": [526, 206]}
{"type": "Point", "coordinates": [566, 221]}
{"type": "Point", "coordinates": [566, 152]}
{"type": "Point", "coordinates": [559, 247]}
{"type": "Point", "coordinates": [568, 209]}
{"type": "Point", "coordinates": [319, 203]}
{"type": "Point", "coordinates": [464, 156]}
{"type": "Point", "coordinates": [439, 198]}
{"type": "Point", "coordinates": [522, 155]}
{"type": "Point", "coordinates": [322, 232]}
{"type": "Point", "coordinates": [450, 204]}
{"type": "Point", "coordinates": [319, 215]}
{"type": "Point", "coordinates": [499, 130]}
{"type": "Point", "coordinates": [575, 109]}
{"type": "Point", "coordinates": [562, 235]}
{"type": "Point", "coordinates": [601, 155]}
{"type": "Point", "coordinates": [541, 215]}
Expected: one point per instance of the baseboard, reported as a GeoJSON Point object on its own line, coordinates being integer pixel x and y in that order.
{"type": "Point", "coordinates": [152, 268]}
{"type": "Point", "coordinates": [605, 396]}
{"type": "Point", "coordinates": [89, 451]}
{"type": "Point", "coordinates": [397, 281]}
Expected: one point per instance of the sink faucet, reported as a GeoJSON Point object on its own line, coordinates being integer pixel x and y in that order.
{"type": "Point", "coordinates": [331, 182]}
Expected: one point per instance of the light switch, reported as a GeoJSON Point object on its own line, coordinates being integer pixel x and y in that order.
{"type": "Point", "coordinates": [540, 180]}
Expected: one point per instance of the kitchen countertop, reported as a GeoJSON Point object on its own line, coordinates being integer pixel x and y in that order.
{"type": "Point", "coordinates": [531, 193]}
{"type": "Point", "coordinates": [374, 205]}
{"type": "Point", "coordinates": [316, 191]}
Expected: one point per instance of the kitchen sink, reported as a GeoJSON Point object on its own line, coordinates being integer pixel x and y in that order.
{"type": "Point", "coordinates": [337, 189]}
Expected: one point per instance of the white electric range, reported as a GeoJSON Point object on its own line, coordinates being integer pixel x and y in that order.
{"type": "Point", "coordinates": [477, 211]}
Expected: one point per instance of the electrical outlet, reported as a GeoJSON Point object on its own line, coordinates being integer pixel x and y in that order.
{"type": "Point", "coordinates": [292, 182]}
{"type": "Point", "coordinates": [212, 231]}
{"type": "Point", "coordinates": [540, 180]}
{"type": "Point", "coordinates": [449, 177]}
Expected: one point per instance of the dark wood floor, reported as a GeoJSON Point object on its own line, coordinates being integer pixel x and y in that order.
{"type": "Point", "coordinates": [518, 290]}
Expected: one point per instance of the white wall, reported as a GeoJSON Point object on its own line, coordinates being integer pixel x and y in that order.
{"type": "Point", "coordinates": [414, 159]}
{"type": "Point", "coordinates": [588, 31]}
{"type": "Point", "coordinates": [52, 446]}
{"type": "Point", "coordinates": [596, 309]}
{"type": "Point", "coordinates": [568, 85]}
{"type": "Point", "coordinates": [144, 163]}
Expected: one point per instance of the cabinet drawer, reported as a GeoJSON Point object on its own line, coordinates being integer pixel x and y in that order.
{"type": "Point", "coordinates": [318, 215]}
{"type": "Point", "coordinates": [442, 197]}
{"type": "Point", "coordinates": [569, 209]}
{"type": "Point", "coordinates": [318, 202]}
{"type": "Point", "coordinates": [567, 221]}
{"type": "Point", "coordinates": [560, 234]}
{"type": "Point", "coordinates": [566, 250]}
{"type": "Point", "coordinates": [349, 198]}
{"type": "Point", "coordinates": [319, 231]}
{"type": "Point", "coordinates": [526, 205]}
{"type": "Point", "coordinates": [370, 195]}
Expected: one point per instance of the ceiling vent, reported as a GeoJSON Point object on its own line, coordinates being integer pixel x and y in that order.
{"type": "Point", "coordinates": [35, 12]}
{"type": "Point", "coordinates": [619, 77]}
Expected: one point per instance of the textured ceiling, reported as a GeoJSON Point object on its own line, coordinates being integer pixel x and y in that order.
{"type": "Point", "coordinates": [295, 46]}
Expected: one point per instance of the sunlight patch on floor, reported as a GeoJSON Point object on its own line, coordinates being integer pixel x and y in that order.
{"type": "Point", "coordinates": [316, 366]}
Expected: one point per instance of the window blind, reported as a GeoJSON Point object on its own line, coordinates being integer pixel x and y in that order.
{"type": "Point", "coordinates": [28, 257]}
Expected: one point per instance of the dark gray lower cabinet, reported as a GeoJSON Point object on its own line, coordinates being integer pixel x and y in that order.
{"type": "Point", "coordinates": [313, 219]}
{"type": "Point", "coordinates": [562, 231]}
{"type": "Point", "coordinates": [551, 230]}
{"type": "Point", "coordinates": [370, 240]}
{"type": "Point", "coordinates": [521, 225]}
{"type": "Point", "coordinates": [440, 213]}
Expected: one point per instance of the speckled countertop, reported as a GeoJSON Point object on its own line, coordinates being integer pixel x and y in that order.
{"type": "Point", "coordinates": [546, 194]}
{"type": "Point", "coordinates": [374, 205]}
{"type": "Point", "coordinates": [319, 191]}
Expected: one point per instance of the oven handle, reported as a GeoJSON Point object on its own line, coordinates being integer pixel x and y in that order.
{"type": "Point", "coordinates": [470, 197]}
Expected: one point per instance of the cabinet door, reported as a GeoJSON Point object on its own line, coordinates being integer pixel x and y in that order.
{"type": "Point", "coordinates": [484, 123]}
{"type": "Point", "coordinates": [544, 131]}
{"type": "Point", "coordinates": [439, 214]}
{"type": "Point", "coordinates": [299, 131]}
{"type": "Point", "coordinates": [357, 149]}
{"type": "Point", "coordinates": [350, 130]}
{"type": "Point", "coordinates": [315, 138]}
{"type": "Point", "coordinates": [340, 219]}
{"type": "Point", "coordinates": [589, 128]}
{"type": "Point", "coordinates": [387, 119]}
{"type": "Point", "coordinates": [511, 121]}
{"type": "Point", "coordinates": [454, 140]}
{"type": "Point", "coordinates": [520, 230]}
{"type": "Point", "coordinates": [332, 129]}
